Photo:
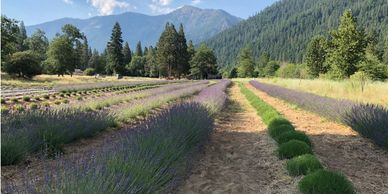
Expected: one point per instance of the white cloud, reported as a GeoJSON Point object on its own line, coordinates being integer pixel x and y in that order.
{"type": "Point", "coordinates": [161, 6]}
{"type": "Point", "coordinates": [162, 2]}
{"type": "Point", "coordinates": [195, 2]}
{"type": "Point", "coordinates": [106, 7]}
{"type": "Point", "coordinates": [70, 2]}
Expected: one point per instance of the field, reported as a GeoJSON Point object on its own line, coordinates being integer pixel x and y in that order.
{"type": "Point", "coordinates": [141, 135]}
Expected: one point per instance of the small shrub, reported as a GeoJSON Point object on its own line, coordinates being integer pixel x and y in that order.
{"type": "Point", "coordinates": [323, 182]}
{"type": "Point", "coordinates": [26, 98]}
{"type": "Point", "coordinates": [19, 108]}
{"type": "Point", "coordinates": [290, 135]}
{"type": "Point", "coordinates": [33, 106]}
{"type": "Point", "coordinates": [62, 95]}
{"type": "Point", "coordinates": [79, 98]}
{"type": "Point", "coordinates": [89, 71]}
{"type": "Point", "coordinates": [2, 101]}
{"type": "Point", "coordinates": [4, 110]}
{"type": "Point", "coordinates": [46, 96]}
{"type": "Point", "coordinates": [302, 165]}
{"type": "Point", "coordinates": [37, 98]}
{"type": "Point", "coordinates": [65, 101]}
{"type": "Point", "coordinates": [275, 132]}
{"type": "Point", "coordinates": [46, 104]}
{"type": "Point", "coordinates": [278, 121]}
{"type": "Point", "coordinates": [57, 102]}
{"type": "Point", "coordinates": [293, 148]}
{"type": "Point", "coordinates": [14, 100]}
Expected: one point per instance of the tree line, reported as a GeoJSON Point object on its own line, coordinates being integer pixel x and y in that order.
{"type": "Point", "coordinates": [345, 52]}
{"type": "Point", "coordinates": [172, 57]}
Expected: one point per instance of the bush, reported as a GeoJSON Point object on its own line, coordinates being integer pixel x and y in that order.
{"type": "Point", "coordinates": [293, 71]}
{"type": "Point", "coordinates": [2, 101]}
{"type": "Point", "coordinates": [4, 110]}
{"type": "Point", "coordinates": [89, 71]}
{"type": "Point", "coordinates": [65, 101]}
{"type": "Point", "coordinates": [290, 135]}
{"type": "Point", "coordinates": [293, 148]}
{"type": "Point", "coordinates": [275, 132]}
{"type": "Point", "coordinates": [26, 98]}
{"type": "Point", "coordinates": [23, 64]}
{"type": "Point", "coordinates": [302, 165]}
{"type": "Point", "coordinates": [37, 98]}
{"type": "Point", "coordinates": [46, 104]}
{"type": "Point", "coordinates": [278, 121]}
{"type": "Point", "coordinates": [19, 108]}
{"type": "Point", "coordinates": [62, 95]}
{"type": "Point", "coordinates": [79, 98]}
{"type": "Point", "coordinates": [33, 106]}
{"type": "Point", "coordinates": [325, 182]}
{"type": "Point", "coordinates": [57, 102]}
{"type": "Point", "coordinates": [14, 100]}
{"type": "Point", "coordinates": [46, 96]}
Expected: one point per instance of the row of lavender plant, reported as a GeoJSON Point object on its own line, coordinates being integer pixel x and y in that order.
{"type": "Point", "coordinates": [150, 158]}
{"type": "Point", "coordinates": [214, 97]}
{"type": "Point", "coordinates": [48, 130]}
{"type": "Point", "coordinates": [371, 121]}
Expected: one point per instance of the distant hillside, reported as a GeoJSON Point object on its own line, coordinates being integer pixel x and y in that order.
{"type": "Point", "coordinates": [284, 29]}
{"type": "Point", "coordinates": [199, 24]}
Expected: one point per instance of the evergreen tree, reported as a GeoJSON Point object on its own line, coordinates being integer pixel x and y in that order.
{"type": "Point", "coordinates": [204, 63]}
{"type": "Point", "coordinates": [22, 37]}
{"type": "Point", "coordinates": [115, 62]}
{"type": "Point", "coordinates": [136, 67]}
{"type": "Point", "coordinates": [145, 51]}
{"type": "Point", "coordinates": [151, 67]}
{"type": "Point", "coordinates": [85, 54]}
{"type": "Point", "coordinates": [96, 62]}
{"type": "Point", "coordinates": [347, 47]}
{"type": "Point", "coordinates": [261, 64]}
{"type": "Point", "coordinates": [167, 52]}
{"type": "Point", "coordinates": [385, 56]}
{"type": "Point", "coordinates": [271, 68]}
{"type": "Point", "coordinates": [246, 65]}
{"type": "Point", "coordinates": [191, 50]}
{"type": "Point", "coordinates": [127, 54]}
{"type": "Point", "coordinates": [139, 50]}
{"type": "Point", "coordinates": [183, 55]}
{"type": "Point", "coordinates": [316, 55]}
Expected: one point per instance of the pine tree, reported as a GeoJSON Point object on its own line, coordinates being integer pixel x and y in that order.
{"type": "Point", "coordinates": [183, 55]}
{"type": "Point", "coordinates": [167, 52]}
{"type": "Point", "coordinates": [385, 56]}
{"type": "Point", "coordinates": [115, 62]}
{"type": "Point", "coordinates": [85, 56]}
{"type": "Point", "coordinates": [245, 65]}
{"type": "Point", "coordinates": [22, 46]}
{"type": "Point", "coordinates": [38, 43]}
{"type": "Point", "coordinates": [191, 50]}
{"type": "Point", "coordinates": [151, 67]}
{"type": "Point", "coordinates": [139, 50]}
{"type": "Point", "coordinates": [145, 51]}
{"type": "Point", "coordinates": [261, 64]}
{"type": "Point", "coordinates": [127, 54]}
{"type": "Point", "coordinates": [316, 56]}
{"type": "Point", "coordinates": [204, 63]}
{"type": "Point", "coordinates": [347, 47]}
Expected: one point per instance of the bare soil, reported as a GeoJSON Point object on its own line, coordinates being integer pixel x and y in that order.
{"type": "Point", "coordinates": [240, 156]}
{"type": "Point", "coordinates": [339, 147]}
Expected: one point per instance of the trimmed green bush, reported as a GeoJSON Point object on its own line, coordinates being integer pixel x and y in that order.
{"type": "Point", "coordinates": [26, 98]}
{"type": "Point", "coordinates": [302, 165]}
{"type": "Point", "coordinates": [290, 135]}
{"type": "Point", "coordinates": [62, 95]}
{"type": "Point", "coordinates": [19, 108]}
{"type": "Point", "coordinates": [57, 102]}
{"type": "Point", "coordinates": [14, 100]}
{"type": "Point", "coordinates": [278, 121]}
{"type": "Point", "coordinates": [293, 148]}
{"type": "Point", "coordinates": [33, 106]}
{"type": "Point", "coordinates": [65, 101]}
{"type": "Point", "coordinates": [275, 132]}
{"type": "Point", "coordinates": [325, 182]}
{"type": "Point", "coordinates": [37, 98]}
{"type": "Point", "coordinates": [46, 96]}
{"type": "Point", "coordinates": [79, 98]}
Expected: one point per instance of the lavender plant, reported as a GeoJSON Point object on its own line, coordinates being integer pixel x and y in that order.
{"type": "Point", "coordinates": [214, 97]}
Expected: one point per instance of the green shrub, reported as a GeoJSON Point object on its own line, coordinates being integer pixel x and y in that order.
{"type": "Point", "coordinates": [325, 182]}
{"type": "Point", "coordinates": [290, 135]}
{"type": "Point", "coordinates": [302, 165]}
{"type": "Point", "coordinates": [275, 132]}
{"type": "Point", "coordinates": [2, 101]}
{"type": "Point", "coordinates": [89, 71]}
{"type": "Point", "coordinates": [14, 100]}
{"type": "Point", "coordinates": [26, 98]}
{"type": "Point", "coordinates": [293, 148]}
{"type": "Point", "coordinates": [37, 98]}
{"type": "Point", "coordinates": [19, 108]}
{"type": "Point", "coordinates": [46, 96]}
{"type": "Point", "coordinates": [33, 106]}
{"type": "Point", "coordinates": [62, 95]}
{"type": "Point", "coordinates": [4, 110]}
{"type": "Point", "coordinates": [65, 101]}
{"type": "Point", "coordinates": [57, 102]}
{"type": "Point", "coordinates": [278, 121]}
{"type": "Point", "coordinates": [46, 104]}
{"type": "Point", "coordinates": [79, 98]}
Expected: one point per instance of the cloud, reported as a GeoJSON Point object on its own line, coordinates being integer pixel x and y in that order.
{"type": "Point", "coordinates": [70, 2]}
{"type": "Point", "coordinates": [106, 7]}
{"type": "Point", "coordinates": [195, 2]}
{"type": "Point", "coordinates": [161, 6]}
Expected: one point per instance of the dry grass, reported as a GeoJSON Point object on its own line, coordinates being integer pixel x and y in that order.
{"type": "Point", "coordinates": [374, 92]}
{"type": "Point", "coordinates": [52, 80]}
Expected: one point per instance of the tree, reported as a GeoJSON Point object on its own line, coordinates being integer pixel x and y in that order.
{"type": "Point", "coordinates": [167, 52]}
{"type": "Point", "coordinates": [136, 67]}
{"type": "Point", "coordinates": [203, 63]}
{"type": "Point", "coordinates": [85, 54]}
{"type": "Point", "coordinates": [271, 68]}
{"type": "Point", "coordinates": [151, 66]}
{"type": "Point", "coordinates": [245, 65]}
{"type": "Point", "coordinates": [183, 55]}
{"type": "Point", "coordinates": [261, 64]}
{"type": "Point", "coordinates": [23, 64]}
{"type": "Point", "coordinates": [60, 56]}
{"type": "Point", "coordinates": [115, 57]}
{"type": "Point", "coordinates": [347, 47]}
{"type": "Point", "coordinates": [316, 55]}
{"type": "Point", "coordinates": [127, 55]}
{"type": "Point", "coordinates": [190, 50]}
{"type": "Point", "coordinates": [385, 56]}
{"type": "Point", "coordinates": [74, 35]}
{"type": "Point", "coordinates": [139, 50]}
{"type": "Point", "coordinates": [38, 43]}
{"type": "Point", "coordinates": [96, 62]}
{"type": "Point", "coordinates": [9, 37]}
{"type": "Point", "coordinates": [22, 36]}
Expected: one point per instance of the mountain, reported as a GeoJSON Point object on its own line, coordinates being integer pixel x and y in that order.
{"type": "Point", "coordinates": [199, 25]}
{"type": "Point", "coordinates": [284, 29]}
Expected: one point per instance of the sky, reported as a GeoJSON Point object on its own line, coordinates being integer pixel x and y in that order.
{"type": "Point", "coordinates": [39, 11]}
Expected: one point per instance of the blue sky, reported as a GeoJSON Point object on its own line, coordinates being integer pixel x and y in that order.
{"type": "Point", "coordinates": [38, 11]}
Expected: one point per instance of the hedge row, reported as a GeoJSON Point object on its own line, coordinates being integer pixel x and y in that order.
{"type": "Point", "coordinates": [297, 147]}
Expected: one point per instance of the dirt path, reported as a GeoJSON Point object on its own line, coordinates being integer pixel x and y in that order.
{"type": "Point", "coordinates": [239, 157]}
{"type": "Point", "coordinates": [339, 147]}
